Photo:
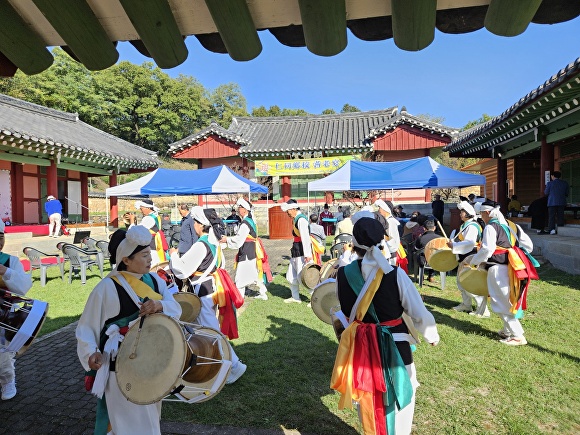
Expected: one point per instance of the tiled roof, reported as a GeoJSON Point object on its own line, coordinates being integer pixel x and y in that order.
{"type": "Point", "coordinates": [38, 131]}
{"type": "Point", "coordinates": [213, 129]}
{"type": "Point", "coordinates": [341, 132]}
{"type": "Point", "coordinates": [405, 118]}
{"type": "Point", "coordinates": [555, 97]}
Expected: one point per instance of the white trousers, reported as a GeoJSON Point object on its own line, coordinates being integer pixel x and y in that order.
{"type": "Point", "coordinates": [7, 373]}
{"type": "Point", "coordinates": [54, 224]}
{"type": "Point", "coordinates": [466, 299]}
{"type": "Point", "coordinates": [293, 274]}
{"type": "Point", "coordinates": [499, 293]}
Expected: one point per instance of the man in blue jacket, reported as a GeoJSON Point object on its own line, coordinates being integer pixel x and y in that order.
{"type": "Point", "coordinates": [53, 209]}
{"type": "Point", "coordinates": [556, 190]}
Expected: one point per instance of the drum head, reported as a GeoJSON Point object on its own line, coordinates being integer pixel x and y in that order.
{"type": "Point", "coordinates": [37, 328]}
{"type": "Point", "coordinates": [190, 306]}
{"type": "Point", "coordinates": [199, 390]}
{"type": "Point", "coordinates": [328, 270]}
{"type": "Point", "coordinates": [439, 255]}
{"type": "Point", "coordinates": [473, 280]}
{"type": "Point", "coordinates": [163, 266]}
{"type": "Point", "coordinates": [310, 275]}
{"type": "Point", "coordinates": [158, 359]}
{"type": "Point", "coordinates": [323, 299]}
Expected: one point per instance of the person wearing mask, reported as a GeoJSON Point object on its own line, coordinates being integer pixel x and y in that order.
{"type": "Point", "coordinates": [464, 244]}
{"type": "Point", "coordinates": [557, 191]}
{"type": "Point", "coordinates": [505, 293]}
{"type": "Point", "coordinates": [14, 279]}
{"type": "Point", "coordinates": [187, 235]}
{"type": "Point", "coordinates": [248, 271]}
{"type": "Point", "coordinates": [53, 209]}
{"type": "Point", "coordinates": [374, 354]}
{"type": "Point", "coordinates": [301, 252]}
{"type": "Point", "coordinates": [127, 293]}
{"type": "Point", "coordinates": [201, 265]}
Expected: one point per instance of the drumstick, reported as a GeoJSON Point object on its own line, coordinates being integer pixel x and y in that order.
{"type": "Point", "coordinates": [442, 230]}
{"type": "Point", "coordinates": [136, 342]}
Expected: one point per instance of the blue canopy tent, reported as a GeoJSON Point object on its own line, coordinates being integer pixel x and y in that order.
{"type": "Point", "coordinates": [210, 181]}
{"type": "Point", "coordinates": [421, 173]}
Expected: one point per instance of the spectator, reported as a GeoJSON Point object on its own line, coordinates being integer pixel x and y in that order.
{"type": "Point", "coordinates": [438, 208]}
{"type": "Point", "coordinates": [399, 213]}
{"type": "Point", "coordinates": [422, 241]}
{"type": "Point", "coordinates": [538, 210]}
{"type": "Point", "coordinates": [339, 215]}
{"type": "Point", "coordinates": [413, 227]}
{"type": "Point", "coordinates": [317, 230]}
{"type": "Point", "coordinates": [234, 216]}
{"type": "Point", "coordinates": [557, 191]}
{"type": "Point", "coordinates": [187, 236]}
{"type": "Point", "coordinates": [514, 206]}
{"type": "Point", "coordinates": [53, 209]}
{"type": "Point", "coordinates": [345, 225]}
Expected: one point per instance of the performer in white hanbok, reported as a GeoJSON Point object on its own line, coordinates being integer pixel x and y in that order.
{"type": "Point", "coordinates": [201, 265]}
{"type": "Point", "coordinates": [463, 245]}
{"type": "Point", "coordinates": [506, 291]}
{"type": "Point", "coordinates": [127, 293]}
{"type": "Point", "coordinates": [391, 225]}
{"type": "Point", "coordinates": [247, 270]}
{"type": "Point", "coordinates": [14, 279]}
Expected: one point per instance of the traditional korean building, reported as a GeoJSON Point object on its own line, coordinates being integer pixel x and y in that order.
{"type": "Point", "coordinates": [537, 134]}
{"type": "Point", "coordinates": [49, 152]}
{"type": "Point", "coordinates": [291, 151]}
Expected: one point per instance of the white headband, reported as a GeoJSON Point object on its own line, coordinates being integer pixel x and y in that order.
{"type": "Point", "coordinates": [382, 204]}
{"type": "Point", "coordinates": [243, 203]}
{"type": "Point", "coordinates": [467, 207]}
{"type": "Point", "coordinates": [285, 206]}
{"type": "Point", "coordinates": [50, 198]}
{"type": "Point", "coordinates": [140, 204]}
{"type": "Point", "coordinates": [362, 214]}
{"type": "Point", "coordinates": [198, 215]}
{"type": "Point", "coordinates": [485, 207]}
{"type": "Point", "coordinates": [136, 236]}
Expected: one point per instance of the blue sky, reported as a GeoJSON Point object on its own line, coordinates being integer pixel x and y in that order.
{"type": "Point", "coordinates": [458, 77]}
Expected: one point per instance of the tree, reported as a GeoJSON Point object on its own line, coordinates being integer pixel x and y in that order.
{"type": "Point", "coordinates": [228, 102]}
{"type": "Point", "coordinates": [484, 118]}
{"type": "Point", "coordinates": [328, 112]}
{"type": "Point", "coordinates": [262, 112]}
{"type": "Point", "coordinates": [347, 108]}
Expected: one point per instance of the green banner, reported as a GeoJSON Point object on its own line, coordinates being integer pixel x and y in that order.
{"type": "Point", "coordinates": [323, 165]}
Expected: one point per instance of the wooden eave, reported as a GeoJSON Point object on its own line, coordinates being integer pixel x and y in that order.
{"type": "Point", "coordinates": [551, 110]}
{"type": "Point", "coordinates": [90, 29]}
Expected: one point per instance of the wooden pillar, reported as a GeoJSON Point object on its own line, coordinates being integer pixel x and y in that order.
{"type": "Point", "coordinates": [52, 180]}
{"type": "Point", "coordinates": [84, 197]}
{"type": "Point", "coordinates": [200, 200]}
{"type": "Point", "coordinates": [286, 188]}
{"type": "Point", "coordinates": [114, 219]}
{"type": "Point", "coordinates": [546, 163]}
{"type": "Point", "coordinates": [17, 187]}
{"type": "Point", "coordinates": [502, 184]}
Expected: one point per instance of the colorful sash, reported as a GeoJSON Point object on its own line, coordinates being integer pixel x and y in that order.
{"type": "Point", "coordinates": [317, 246]}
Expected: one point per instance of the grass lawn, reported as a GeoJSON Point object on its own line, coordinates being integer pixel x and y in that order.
{"type": "Point", "coordinates": [470, 383]}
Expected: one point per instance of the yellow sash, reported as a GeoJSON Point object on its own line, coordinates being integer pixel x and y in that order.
{"type": "Point", "coordinates": [139, 287]}
{"type": "Point", "coordinates": [342, 374]}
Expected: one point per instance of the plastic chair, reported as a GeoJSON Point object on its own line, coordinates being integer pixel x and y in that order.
{"type": "Point", "coordinates": [103, 246]}
{"type": "Point", "coordinates": [90, 243]}
{"type": "Point", "coordinates": [419, 269]}
{"type": "Point", "coordinates": [81, 260]}
{"type": "Point", "coordinates": [40, 260]}
{"type": "Point", "coordinates": [344, 237]}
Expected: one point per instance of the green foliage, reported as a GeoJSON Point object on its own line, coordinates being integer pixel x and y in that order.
{"type": "Point", "coordinates": [138, 103]}
{"type": "Point", "coordinates": [484, 118]}
{"type": "Point", "coordinates": [328, 112]}
{"type": "Point", "coordinates": [262, 112]}
{"type": "Point", "coordinates": [431, 118]}
{"type": "Point", "coordinates": [347, 108]}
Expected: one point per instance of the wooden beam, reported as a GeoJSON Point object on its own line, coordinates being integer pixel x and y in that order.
{"type": "Point", "coordinates": [563, 134]}
{"type": "Point", "coordinates": [413, 23]}
{"type": "Point", "coordinates": [521, 149]}
{"type": "Point", "coordinates": [77, 24]}
{"type": "Point", "coordinates": [19, 158]}
{"type": "Point", "coordinates": [324, 26]}
{"type": "Point", "coordinates": [510, 17]}
{"type": "Point", "coordinates": [158, 30]}
{"type": "Point", "coordinates": [20, 44]}
{"type": "Point", "coordinates": [79, 168]}
{"type": "Point", "coordinates": [236, 28]}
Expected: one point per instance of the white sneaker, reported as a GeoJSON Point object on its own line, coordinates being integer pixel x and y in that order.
{"type": "Point", "coordinates": [292, 300]}
{"type": "Point", "coordinates": [309, 305]}
{"type": "Point", "coordinates": [462, 308]}
{"type": "Point", "coordinates": [262, 296]}
{"type": "Point", "coordinates": [485, 315]}
{"type": "Point", "coordinates": [236, 373]}
{"type": "Point", "coordinates": [514, 341]}
{"type": "Point", "coordinates": [8, 391]}
{"type": "Point", "coordinates": [553, 232]}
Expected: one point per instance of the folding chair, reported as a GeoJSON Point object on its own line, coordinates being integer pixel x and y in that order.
{"type": "Point", "coordinates": [419, 269]}
{"type": "Point", "coordinates": [41, 261]}
{"type": "Point", "coordinates": [80, 260]}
